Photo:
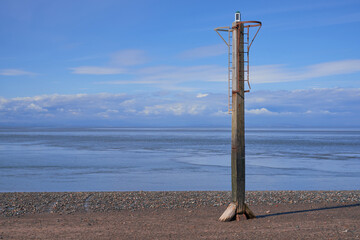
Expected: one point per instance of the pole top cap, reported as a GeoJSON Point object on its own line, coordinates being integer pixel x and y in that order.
{"type": "Point", "coordinates": [237, 16]}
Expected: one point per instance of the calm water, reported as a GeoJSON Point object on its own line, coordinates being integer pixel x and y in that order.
{"type": "Point", "coordinates": [175, 159]}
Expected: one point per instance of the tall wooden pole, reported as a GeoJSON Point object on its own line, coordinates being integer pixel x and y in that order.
{"type": "Point", "coordinates": [238, 125]}
{"type": "Point", "coordinates": [238, 120]}
{"type": "Point", "coordinates": [238, 209]}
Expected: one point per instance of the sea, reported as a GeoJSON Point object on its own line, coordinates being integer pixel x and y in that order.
{"type": "Point", "coordinates": [175, 159]}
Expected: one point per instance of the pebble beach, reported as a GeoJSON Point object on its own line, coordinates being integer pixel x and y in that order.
{"type": "Point", "coordinates": [178, 215]}
{"type": "Point", "coordinates": [17, 204]}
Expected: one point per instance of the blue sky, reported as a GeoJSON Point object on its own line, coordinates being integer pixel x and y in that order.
{"type": "Point", "coordinates": [160, 63]}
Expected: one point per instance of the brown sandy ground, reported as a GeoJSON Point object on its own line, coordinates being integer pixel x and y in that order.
{"type": "Point", "coordinates": [325, 219]}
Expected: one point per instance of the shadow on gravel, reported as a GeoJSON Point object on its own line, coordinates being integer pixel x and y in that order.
{"type": "Point", "coordinates": [308, 210]}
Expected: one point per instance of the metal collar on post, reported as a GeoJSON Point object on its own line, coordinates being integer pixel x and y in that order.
{"type": "Point", "coordinates": [249, 24]}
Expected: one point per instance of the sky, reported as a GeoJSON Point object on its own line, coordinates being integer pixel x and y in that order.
{"type": "Point", "coordinates": [115, 63]}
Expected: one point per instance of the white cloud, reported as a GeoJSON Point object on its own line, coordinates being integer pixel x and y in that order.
{"type": "Point", "coordinates": [319, 112]}
{"type": "Point", "coordinates": [128, 102]}
{"type": "Point", "coordinates": [170, 77]}
{"type": "Point", "coordinates": [279, 73]}
{"type": "Point", "coordinates": [257, 99]}
{"type": "Point", "coordinates": [332, 68]}
{"type": "Point", "coordinates": [259, 111]}
{"type": "Point", "coordinates": [196, 109]}
{"type": "Point", "coordinates": [172, 107]}
{"type": "Point", "coordinates": [3, 101]}
{"type": "Point", "coordinates": [221, 113]}
{"type": "Point", "coordinates": [125, 82]}
{"type": "Point", "coordinates": [172, 74]}
{"type": "Point", "coordinates": [269, 74]}
{"type": "Point", "coordinates": [35, 107]}
{"type": "Point", "coordinates": [74, 112]}
{"type": "Point", "coordinates": [108, 113]}
{"type": "Point", "coordinates": [93, 70]}
{"type": "Point", "coordinates": [153, 109]}
{"type": "Point", "coordinates": [205, 51]}
{"type": "Point", "coordinates": [129, 57]}
{"type": "Point", "coordinates": [322, 101]}
{"type": "Point", "coordinates": [202, 95]}
{"type": "Point", "coordinates": [116, 65]}
{"type": "Point", "coordinates": [15, 72]}
{"type": "Point", "coordinates": [176, 109]}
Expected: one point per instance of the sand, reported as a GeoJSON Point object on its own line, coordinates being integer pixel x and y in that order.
{"type": "Point", "coordinates": [178, 215]}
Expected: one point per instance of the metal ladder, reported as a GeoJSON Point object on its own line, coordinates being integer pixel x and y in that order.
{"type": "Point", "coordinates": [246, 62]}
{"type": "Point", "coordinates": [246, 55]}
{"type": "Point", "coordinates": [247, 44]}
{"type": "Point", "coordinates": [230, 72]}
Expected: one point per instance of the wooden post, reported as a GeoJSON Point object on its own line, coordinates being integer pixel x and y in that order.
{"type": "Point", "coordinates": [238, 131]}
{"type": "Point", "coordinates": [237, 123]}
